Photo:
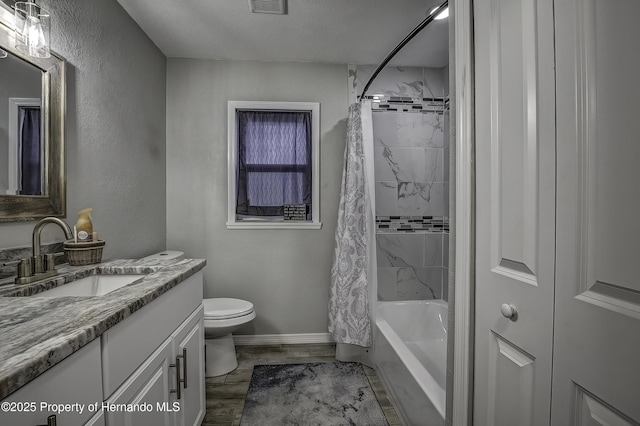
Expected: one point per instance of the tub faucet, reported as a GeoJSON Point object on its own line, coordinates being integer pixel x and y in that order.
{"type": "Point", "coordinates": [40, 266]}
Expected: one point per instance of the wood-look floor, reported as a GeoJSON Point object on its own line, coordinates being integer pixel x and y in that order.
{"type": "Point", "coordinates": [226, 394]}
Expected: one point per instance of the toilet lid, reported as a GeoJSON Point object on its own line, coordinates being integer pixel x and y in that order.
{"type": "Point", "coordinates": [225, 308]}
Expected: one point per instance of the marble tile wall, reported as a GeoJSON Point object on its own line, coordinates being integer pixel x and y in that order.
{"type": "Point", "coordinates": [412, 266]}
{"type": "Point", "coordinates": [411, 161]}
{"type": "Point", "coordinates": [411, 150]}
{"type": "Point", "coordinates": [409, 164]}
{"type": "Point", "coordinates": [410, 82]}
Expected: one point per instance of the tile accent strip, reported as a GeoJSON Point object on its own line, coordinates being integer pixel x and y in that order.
{"type": "Point", "coordinates": [390, 224]}
{"type": "Point", "coordinates": [408, 104]}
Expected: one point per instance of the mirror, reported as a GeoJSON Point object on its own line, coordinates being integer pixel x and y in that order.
{"type": "Point", "coordinates": [32, 113]}
{"type": "Point", "coordinates": [21, 147]}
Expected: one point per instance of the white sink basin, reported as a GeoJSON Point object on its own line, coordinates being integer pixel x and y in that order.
{"type": "Point", "coordinates": [94, 285]}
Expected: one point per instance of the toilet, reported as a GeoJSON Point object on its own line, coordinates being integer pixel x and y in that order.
{"type": "Point", "coordinates": [222, 317]}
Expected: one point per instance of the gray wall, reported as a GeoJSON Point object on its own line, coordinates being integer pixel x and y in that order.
{"type": "Point", "coordinates": [285, 273]}
{"type": "Point", "coordinates": [115, 129]}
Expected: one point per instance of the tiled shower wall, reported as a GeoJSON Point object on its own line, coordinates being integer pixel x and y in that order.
{"type": "Point", "coordinates": [410, 131]}
{"type": "Point", "coordinates": [412, 266]}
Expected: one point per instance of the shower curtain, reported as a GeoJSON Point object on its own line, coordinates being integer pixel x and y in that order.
{"type": "Point", "coordinates": [349, 293]}
{"type": "Point", "coordinates": [29, 147]}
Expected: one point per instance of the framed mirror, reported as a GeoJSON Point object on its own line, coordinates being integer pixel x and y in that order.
{"type": "Point", "coordinates": [32, 116]}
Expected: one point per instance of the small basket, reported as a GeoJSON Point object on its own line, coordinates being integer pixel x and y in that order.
{"type": "Point", "coordinates": [84, 253]}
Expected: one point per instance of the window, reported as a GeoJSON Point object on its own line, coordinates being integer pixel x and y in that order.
{"type": "Point", "coordinates": [273, 165]}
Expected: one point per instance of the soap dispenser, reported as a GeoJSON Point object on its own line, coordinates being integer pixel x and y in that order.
{"type": "Point", "coordinates": [84, 226]}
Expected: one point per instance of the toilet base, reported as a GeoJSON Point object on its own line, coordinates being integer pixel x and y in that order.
{"type": "Point", "coordinates": [220, 356]}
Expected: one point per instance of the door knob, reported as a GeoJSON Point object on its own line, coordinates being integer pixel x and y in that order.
{"type": "Point", "coordinates": [509, 311]}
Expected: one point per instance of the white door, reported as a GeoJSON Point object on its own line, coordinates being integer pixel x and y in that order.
{"type": "Point", "coordinates": [515, 211]}
{"type": "Point", "coordinates": [597, 333]}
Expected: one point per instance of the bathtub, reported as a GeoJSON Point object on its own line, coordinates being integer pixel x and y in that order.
{"type": "Point", "coordinates": [410, 355]}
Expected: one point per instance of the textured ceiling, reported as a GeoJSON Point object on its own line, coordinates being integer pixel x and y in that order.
{"type": "Point", "coordinates": [325, 31]}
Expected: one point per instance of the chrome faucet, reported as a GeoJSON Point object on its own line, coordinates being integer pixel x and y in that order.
{"type": "Point", "coordinates": [41, 266]}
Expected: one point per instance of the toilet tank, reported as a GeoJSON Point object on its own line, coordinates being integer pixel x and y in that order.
{"type": "Point", "coordinates": [165, 255]}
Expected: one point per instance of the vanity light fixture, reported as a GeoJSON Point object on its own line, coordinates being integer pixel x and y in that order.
{"type": "Point", "coordinates": [32, 27]}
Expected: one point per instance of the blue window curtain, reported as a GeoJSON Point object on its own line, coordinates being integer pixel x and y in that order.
{"type": "Point", "coordinates": [31, 163]}
{"type": "Point", "coordinates": [274, 162]}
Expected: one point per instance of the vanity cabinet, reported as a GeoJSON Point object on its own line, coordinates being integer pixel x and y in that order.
{"type": "Point", "coordinates": [168, 388]}
{"type": "Point", "coordinates": [136, 367]}
{"type": "Point", "coordinates": [75, 380]}
{"type": "Point", "coordinates": [155, 356]}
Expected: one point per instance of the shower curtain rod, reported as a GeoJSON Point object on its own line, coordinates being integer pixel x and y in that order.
{"type": "Point", "coordinates": [406, 40]}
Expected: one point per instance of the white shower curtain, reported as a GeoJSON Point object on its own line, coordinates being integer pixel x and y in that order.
{"type": "Point", "coordinates": [351, 272]}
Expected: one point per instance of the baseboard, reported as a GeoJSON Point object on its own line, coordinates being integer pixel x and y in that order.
{"type": "Point", "coordinates": [282, 339]}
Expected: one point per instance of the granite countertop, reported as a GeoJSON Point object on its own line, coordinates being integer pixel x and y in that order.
{"type": "Point", "coordinates": [37, 332]}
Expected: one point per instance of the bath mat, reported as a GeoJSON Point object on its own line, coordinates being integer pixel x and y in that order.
{"type": "Point", "coordinates": [322, 394]}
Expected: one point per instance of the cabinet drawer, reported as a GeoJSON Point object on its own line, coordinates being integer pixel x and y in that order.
{"type": "Point", "coordinates": [128, 344]}
{"type": "Point", "coordinates": [75, 380]}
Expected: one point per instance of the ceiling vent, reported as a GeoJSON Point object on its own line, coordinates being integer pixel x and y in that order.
{"type": "Point", "coordinates": [277, 7]}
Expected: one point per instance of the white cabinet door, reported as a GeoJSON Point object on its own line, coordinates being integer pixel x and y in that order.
{"type": "Point", "coordinates": [75, 380]}
{"type": "Point", "coordinates": [515, 216]}
{"type": "Point", "coordinates": [189, 345]}
{"type": "Point", "coordinates": [597, 333]}
{"type": "Point", "coordinates": [145, 392]}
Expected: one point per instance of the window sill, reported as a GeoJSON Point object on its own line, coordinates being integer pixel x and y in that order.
{"type": "Point", "coordinates": [273, 225]}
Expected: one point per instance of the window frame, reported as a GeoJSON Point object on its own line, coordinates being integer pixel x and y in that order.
{"type": "Point", "coordinates": [232, 164]}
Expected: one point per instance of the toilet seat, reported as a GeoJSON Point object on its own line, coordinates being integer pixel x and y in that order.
{"type": "Point", "coordinates": [226, 308]}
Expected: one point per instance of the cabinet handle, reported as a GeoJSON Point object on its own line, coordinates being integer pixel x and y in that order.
{"type": "Point", "coordinates": [178, 380]}
{"type": "Point", "coordinates": [184, 366]}
{"type": "Point", "coordinates": [51, 420]}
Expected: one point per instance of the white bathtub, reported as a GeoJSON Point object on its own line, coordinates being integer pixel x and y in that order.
{"type": "Point", "coordinates": [411, 353]}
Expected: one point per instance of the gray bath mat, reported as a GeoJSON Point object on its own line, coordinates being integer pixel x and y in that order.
{"type": "Point", "coordinates": [323, 394]}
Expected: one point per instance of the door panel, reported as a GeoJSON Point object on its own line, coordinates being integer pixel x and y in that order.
{"type": "Point", "coordinates": [515, 210]}
{"type": "Point", "coordinates": [511, 385]}
{"type": "Point", "coordinates": [513, 153]}
{"type": "Point", "coordinates": [597, 336]}
{"type": "Point", "coordinates": [592, 412]}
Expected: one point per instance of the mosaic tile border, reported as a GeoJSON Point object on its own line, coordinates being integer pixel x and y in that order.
{"type": "Point", "coordinates": [407, 104]}
{"type": "Point", "coordinates": [388, 224]}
